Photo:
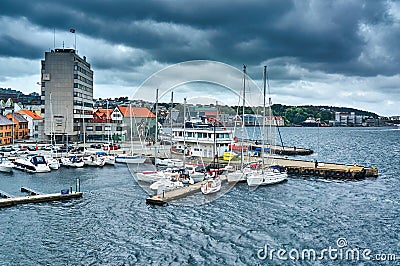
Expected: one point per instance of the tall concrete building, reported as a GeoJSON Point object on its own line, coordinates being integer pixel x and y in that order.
{"type": "Point", "coordinates": [66, 94]}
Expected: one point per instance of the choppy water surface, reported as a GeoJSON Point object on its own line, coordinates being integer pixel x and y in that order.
{"type": "Point", "coordinates": [112, 225]}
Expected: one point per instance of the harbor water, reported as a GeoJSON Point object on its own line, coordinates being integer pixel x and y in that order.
{"type": "Point", "coordinates": [112, 225]}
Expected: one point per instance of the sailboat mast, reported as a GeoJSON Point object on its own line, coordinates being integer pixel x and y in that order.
{"type": "Point", "coordinates": [51, 123]}
{"type": "Point", "coordinates": [272, 118]}
{"type": "Point", "coordinates": [156, 130]}
{"type": "Point", "coordinates": [156, 127]}
{"type": "Point", "coordinates": [215, 135]}
{"type": "Point", "coordinates": [263, 125]}
{"type": "Point", "coordinates": [170, 118]}
{"type": "Point", "coordinates": [184, 130]}
{"type": "Point", "coordinates": [130, 115]}
{"type": "Point", "coordinates": [243, 106]}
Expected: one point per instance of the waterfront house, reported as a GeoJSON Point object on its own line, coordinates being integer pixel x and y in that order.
{"type": "Point", "coordinates": [35, 124]}
{"type": "Point", "coordinates": [142, 119]}
{"type": "Point", "coordinates": [20, 126]}
{"type": "Point", "coordinates": [103, 128]}
{"type": "Point", "coordinates": [6, 130]}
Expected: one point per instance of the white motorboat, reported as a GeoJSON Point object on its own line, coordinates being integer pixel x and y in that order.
{"type": "Point", "coordinates": [130, 159]}
{"type": "Point", "coordinates": [211, 185]}
{"type": "Point", "coordinates": [169, 162]}
{"type": "Point", "coordinates": [168, 184]}
{"type": "Point", "coordinates": [269, 176]}
{"type": "Point", "coordinates": [5, 165]}
{"type": "Point", "coordinates": [94, 160]}
{"type": "Point", "coordinates": [39, 161]}
{"type": "Point", "coordinates": [53, 163]}
{"type": "Point", "coordinates": [32, 164]}
{"type": "Point", "coordinates": [153, 176]}
{"type": "Point", "coordinates": [108, 159]}
{"type": "Point", "coordinates": [72, 161]}
{"type": "Point", "coordinates": [25, 165]}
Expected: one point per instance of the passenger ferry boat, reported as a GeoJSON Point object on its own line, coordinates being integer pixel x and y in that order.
{"type": "Point", "coordinates": [200, 138]}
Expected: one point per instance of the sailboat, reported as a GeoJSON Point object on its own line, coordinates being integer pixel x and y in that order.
{"type": "Point", "coordinates": [241, 174]}
{"type": "Point", "coordinates": [130, 158]}
{"type": "Point", "coordinates": [212, 183]}
{"type": "Point", "coordinates": [266, 175]}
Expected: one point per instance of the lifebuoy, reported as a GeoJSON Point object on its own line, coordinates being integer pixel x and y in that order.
{"type": "Point", "coordinates": [296, 170]}
{"type": "Point", "coordinates": [311, 171]}
{"type": "Point", "coordinates": [317, 172]}
{"type": "Point", "coordinates": [348, 174]}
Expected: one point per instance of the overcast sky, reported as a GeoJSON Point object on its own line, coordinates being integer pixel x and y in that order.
{"type": "Point", "coordinates": [319, 52]}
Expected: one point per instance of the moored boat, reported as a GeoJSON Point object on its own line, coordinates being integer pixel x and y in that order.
{"type": "Point", "coordinates": [5, 165]}
{"type": "Point", "coordinates": [94, 160]}
{"type": "Point", "coordinates": [53, 163]}
{"type": "Point", "coordinates": [39, 161]}
{"type": "Point", "coordinates": [211, 185]}
{"type": "Point", "coordinates": [130, 159]}
{"type": "Point", "coordinates": [72, 161]}
{"type": "Point", "coordinates": [269, 176]}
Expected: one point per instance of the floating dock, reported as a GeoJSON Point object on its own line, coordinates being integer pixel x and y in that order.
{"type": "Point", "coordinates": [167, 196]}
{"type": "Point", "coordinates": [37, 197]}
{"type": "Point", "coordinates": [8, 202]}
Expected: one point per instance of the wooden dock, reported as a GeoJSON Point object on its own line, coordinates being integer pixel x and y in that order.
{"type": "Point", "coordinates": [35, 197]}
{"type": "Point", "coordinates": [164, 198]}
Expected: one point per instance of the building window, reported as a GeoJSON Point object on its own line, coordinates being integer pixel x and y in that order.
{"type": "Point", "coordinates": [43, 84]}
{"type": "Point", "coordinates": [89, 128]}
{"type": "Point", "coordinates": [43, 93]}
{"type": "Point", "coordinates": [119, 128]}
{"type": "Point", "coordinates": [36, 127]}
{"type": "Point", "coordinates": [99, 128]}
{"type": "Point", "coordinates": [75, 67]}
{"type": "Point", "coordinates": [75, 76]}
{"type": "Point", "coordinates": [75, 85]}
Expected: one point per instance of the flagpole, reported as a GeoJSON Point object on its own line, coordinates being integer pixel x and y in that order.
{"type": "Point", "coordinates": [72, 30]}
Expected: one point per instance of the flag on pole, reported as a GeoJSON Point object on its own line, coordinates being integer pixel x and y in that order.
{"type": "Point", "coordinates": [72, 30]}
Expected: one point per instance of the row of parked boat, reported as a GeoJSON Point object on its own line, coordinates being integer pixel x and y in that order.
{"type": "Point", "coordinates": [39, 163]}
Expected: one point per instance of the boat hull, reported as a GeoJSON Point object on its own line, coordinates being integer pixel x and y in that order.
{"type": "Point", "coordinates": [211, 186]}
{"type": "Point", "coordinates": [262, 179]}
{"type": "Point", "coordinates": [129, 159]}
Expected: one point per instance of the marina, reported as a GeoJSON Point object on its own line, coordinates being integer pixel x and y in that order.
{"type": "Point", "coordinates": [113, 222]}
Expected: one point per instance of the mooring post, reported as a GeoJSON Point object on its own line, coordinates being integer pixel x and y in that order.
{"type": "Point", "coordinates": [78, 183]}
{"type": "Point", "coordinates": [70, 189]}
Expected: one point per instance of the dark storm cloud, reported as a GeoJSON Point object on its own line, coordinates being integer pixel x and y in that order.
{"type": "Point", "coordinates": [322, 35]}
{"type": "Point", "coordinates": [11, 47]}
